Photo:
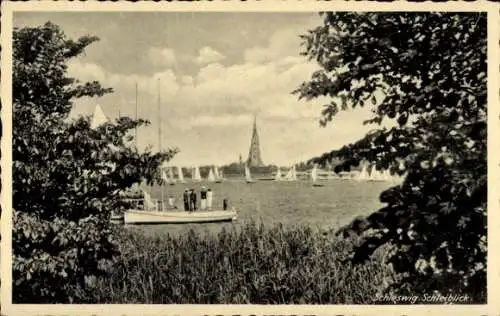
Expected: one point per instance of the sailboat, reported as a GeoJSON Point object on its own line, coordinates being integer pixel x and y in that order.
{"type": "Point", "coordinates": [363, 175]}
{"type": "Point", "coordinates": [387, 176]}
{"type": "Point", "coordinates": [176, 217]}
{"type": "Point", "coordinates": [314, 177]}
{"type": "Point", "coordinates": [211, 176]}
{"type": "Point", "coordinates": [180, 175]}
{"type": "Point", "coordinates": [375, 175]}
{"type": "Point", "coordinates": [196, 177]}
{"type": "Point", "coordinates": [171, 179]}
{"type": "Point", "coordinates": [164, 176]}
{"type": "Point", "coordinates": [152, 212]}
{"type": "Point", "coordinates": [292, 174]}
{"type": "Point", "coordinates": [248, 176]}
{"type": "Point", "coordinates": [217, 174]}
{"type": "Point", "coordinates": [278, 175]}
{"type": "Point", "coordinates": [98, 118]}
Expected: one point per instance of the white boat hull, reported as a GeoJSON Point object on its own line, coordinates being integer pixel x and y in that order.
{"type": "Point", "coordinates": [115, 218]}
{"type": "Point", "coordinates": [180, 217]}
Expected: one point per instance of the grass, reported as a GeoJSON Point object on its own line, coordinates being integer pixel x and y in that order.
{"type": "Point", "coordinates": [250, 265]}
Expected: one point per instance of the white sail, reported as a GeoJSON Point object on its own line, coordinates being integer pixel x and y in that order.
{"type": "Point", "coordinates": [98, 118]}
{"type": "Point", "coordinates": [149, 203]}
{"type": "Point", "coordinates": [164, 176]}
{"type": "Point", "coordinates": [211, 176]}
{"type": "Point", "coordinates": [374, 174]}
{"type": "Point", "coordinates": [221, 174]}
{"type": "Point", "coordinates": [387, 176]}
{"type": "Point", "coordinates": [181, 176]}
{"type": "Point", "coordinates": [196, 174]}
{"type": "Point", "coordinates": [291, 175]}
{"type": "Point", "coordinates": [278, 175]}
{"type": "Point", "coordinates": [314, 174]}
{"type": "Point", "coordinates": [248, 176]}
{"type": "Point", "coordinates": [216, 173]}
{"type": "Point", "coordinates": [363, 175]}
{"type": "Point", "coordinates": [171, 175]}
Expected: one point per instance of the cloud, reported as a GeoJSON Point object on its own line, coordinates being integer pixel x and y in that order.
{"type": "Point", "coordinates": [187, 80]}
{"type": "Point", "coordinates": [208, 55]}
{"type": "Point", "coordinates": [86, 71]}
{"type": "Point", "coordinates": [162, 57]}
{"type": "Point", "coordinates": [243, 88]}
{"type": "Point", "coordinates": [265, 88]}
{"type": "Point", "coordinates": [208, 113]}
{"type": "Point", "coordinates": [122, 83]}
{"type": "Point", "coordinates": [220, 120]}
{"type": "Point", "coordinates": [280, 45]}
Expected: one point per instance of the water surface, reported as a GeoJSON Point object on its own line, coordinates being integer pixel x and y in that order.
{"type": "Point", "coordinates": [287, 202]}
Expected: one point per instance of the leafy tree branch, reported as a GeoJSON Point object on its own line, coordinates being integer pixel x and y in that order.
{"type": "Point", "coordinates": [430, 69]}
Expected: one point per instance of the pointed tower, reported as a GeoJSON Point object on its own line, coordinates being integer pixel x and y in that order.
{"type": "Point", "coordinates": [254, 158]}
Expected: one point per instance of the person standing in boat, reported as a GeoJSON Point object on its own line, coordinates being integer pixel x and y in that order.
{"type": "Point", "coordinates": [171, 201]}
{"type": "Point", "coordinates": [187, 199]}
{"type": "Point", "coordinates": [203, 198]}
{"type": "Point", "coordinates": [193, 200]}
{"type": "Point", "coordinates": [209, 199]}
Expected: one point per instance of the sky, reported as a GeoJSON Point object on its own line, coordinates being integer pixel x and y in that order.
{"type": "Point", "coordinates": [203, 77]}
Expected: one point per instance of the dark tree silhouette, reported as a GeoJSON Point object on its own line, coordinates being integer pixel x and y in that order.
{"type": "Point", "coordinates": [66, 176]}
{"type": "Point", "coordinates": [431, 69]}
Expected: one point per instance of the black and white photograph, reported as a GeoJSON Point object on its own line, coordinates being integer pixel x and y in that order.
{"type": "Point", "coordinates": [239, 157]}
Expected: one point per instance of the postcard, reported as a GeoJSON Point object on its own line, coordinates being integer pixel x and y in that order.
{"type": "Point", "coordinates": [250, 158]}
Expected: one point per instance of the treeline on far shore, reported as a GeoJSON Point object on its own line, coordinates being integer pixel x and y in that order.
{"type": "Point", "coordinates": [238, 169]}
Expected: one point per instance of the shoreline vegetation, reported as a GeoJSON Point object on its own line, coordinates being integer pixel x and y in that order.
{"type": "Point", "coordinates": [255, 264]}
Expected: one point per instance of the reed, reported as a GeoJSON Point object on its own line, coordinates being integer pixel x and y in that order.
{"type": "Point", "coordinates": [254, 265]}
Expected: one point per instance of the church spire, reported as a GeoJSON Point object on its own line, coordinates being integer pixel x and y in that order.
{"type": "Point", "coordinates": [254, 158]}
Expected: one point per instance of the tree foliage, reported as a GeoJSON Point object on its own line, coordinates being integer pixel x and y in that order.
{"type": "Point", "coordinates": [66, 176]}
{"type": "Point", "coordinates": [430, 69]}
